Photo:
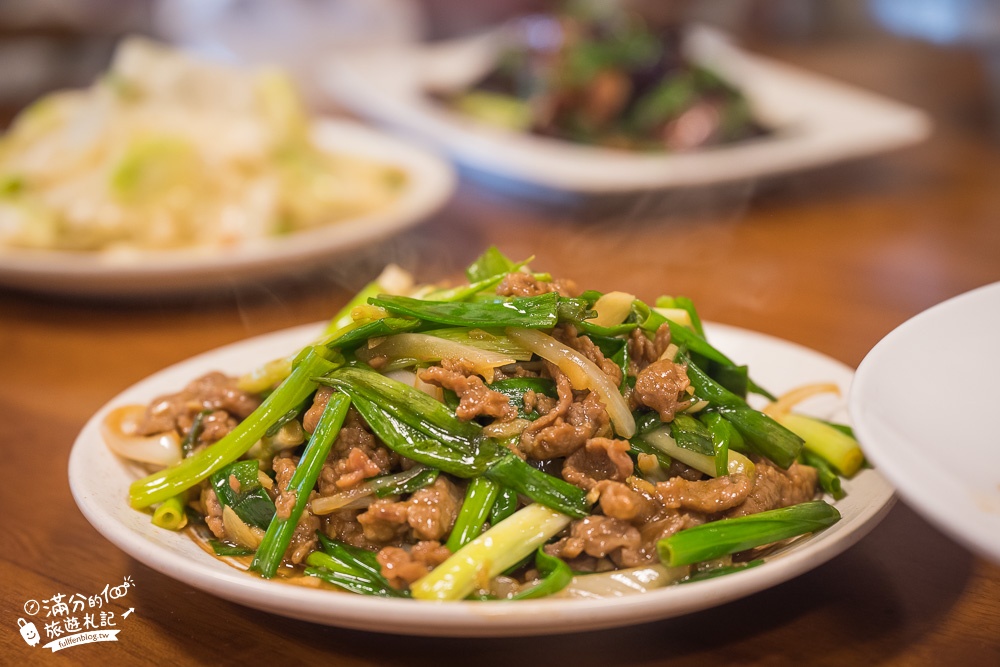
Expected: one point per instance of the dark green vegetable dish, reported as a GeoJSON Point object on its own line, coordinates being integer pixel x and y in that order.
{"type": "Point", "coordinates": [604, 77]}
{"type": "Point", "coordinates": [509, 438]}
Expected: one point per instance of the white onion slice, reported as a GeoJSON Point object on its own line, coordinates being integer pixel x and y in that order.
{"type": "Point", "coordinates": [619, 583]}
{"type": "Point", "coordinates": [737, 463]}
{"type": "Point", "coordinates": [790, 399]}
{"type": "Point", "coordinates": [119, 430]}
{"type": "Point", "coordinates": [239, 532]}
{"type": "Point", "coordinates": [410, 378]}
{"type": "Point", "coordinates": [423, 347]}
{"type": "Point", "coordinates": [339, 501]}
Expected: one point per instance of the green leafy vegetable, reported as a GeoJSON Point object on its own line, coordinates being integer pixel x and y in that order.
{"type": "Point", "coordinates": [488, 265]}
{"type": "Point", "coordinates": [763, 434]}
{"type": "Point", "coordinates": [726, 536]}
{"type": "Point", "coordinates": [515, 388]}
{"type": "Point", "coordinates": [690, 433]}
{"type": "Point", "coordinates": [221, 548]}
{"type": "Point", "coordinates": [556, 575]}
{"type": "Point", "coordinates": [712, 573]}
{"type": "Point", "coordinates": [341, 566]}
{"type": "Point", "coordinates": [279, 532]}
{"type": "Point", "coordinates": [530, 312]}
{"type": "Point", "coordinates": [170, 481]}
{"type": "Point", "coordinates": [500, 547]}
{"type": "Point", "coordinates": [249, 499]}
{"type": "Point", "coordinates": [479, 498]}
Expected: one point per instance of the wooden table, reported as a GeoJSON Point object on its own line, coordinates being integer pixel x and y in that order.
{"type": "Point", "coordinates": [833, 259]}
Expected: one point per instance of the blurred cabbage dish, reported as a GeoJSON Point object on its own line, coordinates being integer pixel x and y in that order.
{"type": "Point", "coordinates": [165, 151]}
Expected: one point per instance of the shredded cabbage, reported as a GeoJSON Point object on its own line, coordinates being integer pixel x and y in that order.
{"type": "Point", "coordinates": [165, 151]}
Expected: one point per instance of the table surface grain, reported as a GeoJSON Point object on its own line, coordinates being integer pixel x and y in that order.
{"type": "Point", "coordinates": [832, 259]}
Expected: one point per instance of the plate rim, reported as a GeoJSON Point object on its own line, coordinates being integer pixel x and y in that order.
{"type": "Point", "coordinates": [453, 619]}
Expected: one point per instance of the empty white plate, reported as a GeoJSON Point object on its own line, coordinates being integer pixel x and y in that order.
{"type": "Point", "coordinates": [925, 403]}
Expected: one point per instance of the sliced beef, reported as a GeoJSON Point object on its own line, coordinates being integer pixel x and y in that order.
{"type": "Point", "coordinates": [663, 525]}
{"type": "Point", "coordinates": [662, 386]}
{"type": "Point", "coordinates": [599, 459]}
{"type": "Point", "coordinates": [540, 403]}
{"type": "Point", "coordinates": [320, 399]}
{"type": "Point", "coordinates": [642, 350]}
{"type": "Point", "coordinates": [709, 496]}
{"type": "Point", "coordinates": [621, 501]}
{"type": "Point", "coordinates": [683, 470]}
{"type": "Point", "coordinates": [599, 537]}
{"type": "Point", "coordinates": [774, 488]}
{"type": "Point", "coordinates": [475, 398]}
{"type": "Point", "coordinates": [433, 509]}
{"type": "Point", "coordinates": [304, 539]}
{"type": "Point", "coordinates": [516, 370]}
{"type": "Point", "coordinates": [355, 467]}
{"type": "Point", "coordinates": [569, 336]}
{"type": "Point", "coordinates": [355, 456]}
{"type": "Point", "coordinates": [428, 514]}
{"type": "Point", "coordinates": [385, 521]}
{"type": "Point", "coordinates": [284, 466]}
{"type": "Point", "coordinates": [568, 425]}
{"type": "Point", "coordinates": [215, 392]}
{"type": "Point", "coordinates": [404, 566]}
{"type": "Point", "coordinates": [519, 283]}
{"type": "Point", "coordinates": [343, 525]}
{"type": "Point", "coordinates": [215, 425]}
{"type": "Point", "coordinates": [213, 512]}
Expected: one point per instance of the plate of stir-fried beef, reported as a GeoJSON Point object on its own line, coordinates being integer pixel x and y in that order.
{"type": "Point", "coordinates": [470, 459]}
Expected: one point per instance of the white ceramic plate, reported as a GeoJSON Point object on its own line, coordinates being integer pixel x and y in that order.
{"type": "Point", "coordinates": [430, 183]}
{"type": "Point", "coordinates": [100, 481]}
{"type": "Point", "coordinates": [925, 402]}
{"type": "Point", "coordinates": [817, 120]}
